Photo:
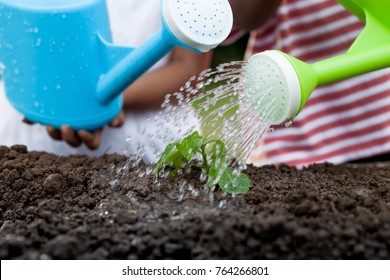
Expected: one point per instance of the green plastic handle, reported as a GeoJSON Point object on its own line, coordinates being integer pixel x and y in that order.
{"type": "Point", "coordinates": [354, 8]}
{"type": "Point", "coordinates": [369, 52]}
{"type": "Point", "coordinates": [352, 64]}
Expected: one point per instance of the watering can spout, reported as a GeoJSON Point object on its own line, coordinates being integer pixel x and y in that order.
{"type": "Point", "coordinates": [200, 32]}
{"type": "Point", "coordinates": [125, 65]}
{"type": "Point", "coordinates": [288, 85]}
{"type": "Point", "coordinates": [308, 81]}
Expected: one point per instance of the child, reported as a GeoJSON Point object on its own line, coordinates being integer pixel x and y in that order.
{"type": "Point", "coordinates": [341, 122]}
{"type": "Point", "coordinates": [132, 22]}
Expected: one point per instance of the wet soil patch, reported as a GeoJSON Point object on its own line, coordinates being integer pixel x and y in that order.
{"type": "Point", "coordinates": [79, 207]}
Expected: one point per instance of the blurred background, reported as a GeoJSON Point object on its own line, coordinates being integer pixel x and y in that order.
{"type": "Point", "coordinates": [233, 52]}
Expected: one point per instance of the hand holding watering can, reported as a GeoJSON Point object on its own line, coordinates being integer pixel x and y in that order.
{"type": "Point", "coordinates": [61, 68]}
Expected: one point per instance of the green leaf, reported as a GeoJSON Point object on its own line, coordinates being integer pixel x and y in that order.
{"type": "Point", "coordinates": [190, 145]}
{"type": "Point", "coordinates": [216, 162]}
{"type": "Point", "coordinates": [161, 162]}
{"type": "Point", "coordinates": [174, 159]}
{"type": "Point", "coordinates": [171, 157]}
{"type": "Point", "coordinates": [233, 182]}
{"type": "Point", "coordinates": [214, 175]}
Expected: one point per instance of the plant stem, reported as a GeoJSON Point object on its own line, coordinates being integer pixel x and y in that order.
{"type": "Point", "coordinates": [204, 156]}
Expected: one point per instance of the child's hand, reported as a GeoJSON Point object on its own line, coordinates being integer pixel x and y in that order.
{"type": "Point", "coordinates": [90, 138]}
{"type": "Point", "coordinates": [75, 138]}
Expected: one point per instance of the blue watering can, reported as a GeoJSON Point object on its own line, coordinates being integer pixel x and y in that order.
{"type": "Point", "coordinates": [60, 67]}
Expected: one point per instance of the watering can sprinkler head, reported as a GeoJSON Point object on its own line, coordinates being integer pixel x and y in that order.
{"type": "Point", "coordinates": [274, 85]}
{"type": "Point", "coordinates": [278, 85]}
{"type": "Point", "coordinates": [200, 25]}
{"type": "Point", "coordinates": [61, 67]}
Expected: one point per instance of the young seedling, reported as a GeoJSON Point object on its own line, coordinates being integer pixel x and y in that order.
{"type": "Point", "coordinates": [210, 156]}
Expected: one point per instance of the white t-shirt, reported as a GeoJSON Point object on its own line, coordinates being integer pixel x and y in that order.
{"type": "Point", "coordinates": [144, 134]}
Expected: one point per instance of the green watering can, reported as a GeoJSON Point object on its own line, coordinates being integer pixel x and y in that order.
{"type": "Point", "coordinates": [289, 82]}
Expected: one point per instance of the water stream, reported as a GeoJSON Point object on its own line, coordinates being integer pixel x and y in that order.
{"type": "Point", "coordinates": [223, 107]}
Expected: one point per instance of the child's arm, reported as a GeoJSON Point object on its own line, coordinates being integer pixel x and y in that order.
{"type": "Point", "coordinates": [150, 89]}
{"type": "Point", "coordinates": [251, 14]}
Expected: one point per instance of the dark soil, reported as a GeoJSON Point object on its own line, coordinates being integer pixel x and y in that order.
{"type": "Point", "coordinates": [104, 208]}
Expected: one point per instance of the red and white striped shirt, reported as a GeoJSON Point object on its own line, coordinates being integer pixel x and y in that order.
{"type": "Point", "coordinates": [340, 122]}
